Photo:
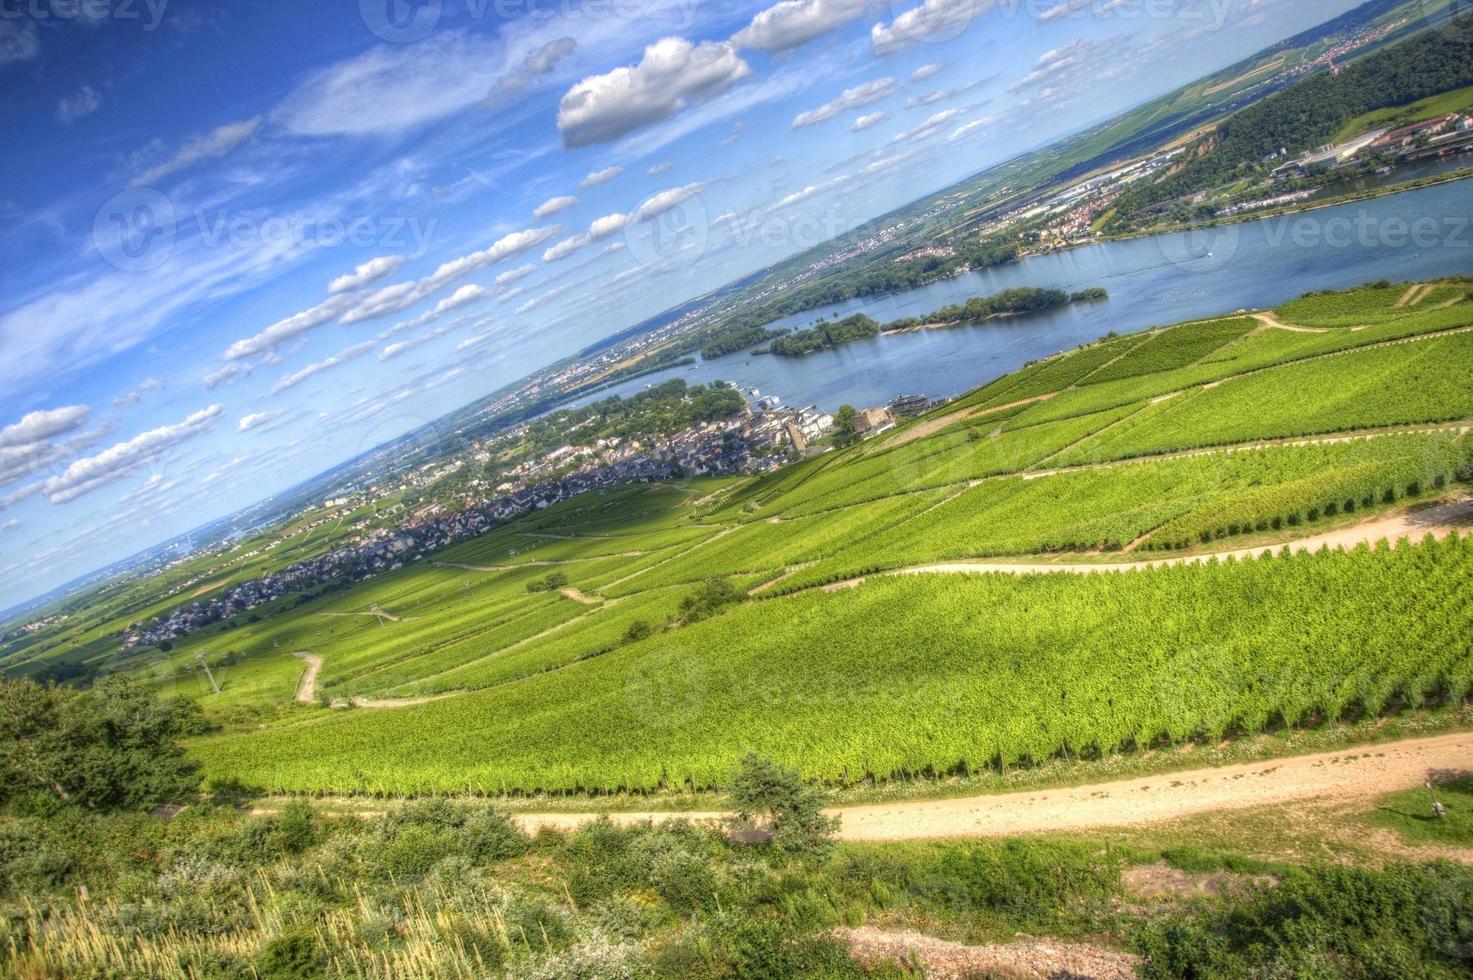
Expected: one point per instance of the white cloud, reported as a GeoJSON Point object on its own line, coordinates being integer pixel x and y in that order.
{"type": "Point", "coordinates": [11, 524]}
{"type": "Point", "coordinates": [793, 22]}
{"type": "Point", "coordinates": [38, 426]}
{"type": "Point", "coordinates": [600, 177]}
{"type": "Point", "coordinates": [554, 205]}
{"type": "Point", "coordinates": [656, 169]}
{"type": "Point", "coordinates": [214, 144]}
{"type": "Point", "coordinates": [19, 40]}
{"type": "Point", "coordinates": [401, 296]}
{"type": "Point", "coordinates": [463, 296]}
{"type": "Point", "coordinates": [86, 475]}
{"type": "Point", "coordinates": [392, 88]}
{"type": "Point", "coordinates": [73, 107]}
{"type": "Point", "coordinates": [136, 395]}
{"type": "Point", "coordinates": [807, 192]}
{"type": "Point", "coordinates": [933, 20]}
{"type": "Point", "coordinates": [512, 275]}
{"type": "Point", "coordinates": [1079, 59]}
{"type": "Point", "coordinates": [975, 126]}
{"type": "Point", "coordinates": [538, 64]}
{"type": "Point", "coordinates": [865, 122]}
{"type": "Point", "coordinates": [26, 446]}
{"type": "Point", "coordinates": [611, 224]}
{"type": "Point", "coordinates": [280, 331]}
{"type": "Point", "coordinates": [672, 73]}
{"type": "Point", "coordinates": [931, 126]}
{"type": "Point", "coordinates": [926, 71]}
{"type": "Point", "coordinates": [657, 204]}
{"type": "Point", "coordinates": [853, 98]}
{"type": "Point", "coordinates": [256, 420]}
{"type": "Point", "coordinates": [369, 272]}
{"type": "Point", "coordinates": [326, 364]}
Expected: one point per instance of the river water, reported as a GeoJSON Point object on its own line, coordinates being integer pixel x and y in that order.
{"type": "Point", "coordinates": [1421, 234]}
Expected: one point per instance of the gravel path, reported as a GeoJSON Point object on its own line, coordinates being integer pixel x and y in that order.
{"type": "Point", "coordinates": [1439, 520]}
{"type": "Point", "coordinates": [307, 686]}
{"type": "Point", "coordinates": [1358, 773]}
{"type": "Point", "coordinates": [938, 959]}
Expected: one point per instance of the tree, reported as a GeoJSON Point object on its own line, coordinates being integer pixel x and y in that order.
{"type": "Point", "coordinates": [111, 748]}
{"type": "Point", "coordinates": [844, 433]}
{"type": "Point", "coordinates": [770, 797]}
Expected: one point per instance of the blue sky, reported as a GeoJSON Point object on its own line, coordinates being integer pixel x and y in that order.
{"type": "Point", "coordinates": [244, 242]}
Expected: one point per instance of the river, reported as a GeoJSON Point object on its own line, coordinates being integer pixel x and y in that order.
{"type": "Point", "coordinates": [1165, 279]}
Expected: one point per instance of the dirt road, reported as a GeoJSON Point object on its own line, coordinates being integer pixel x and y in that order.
{"type": "Point", "coordinates": [1357, 773]}
{"type": "Point", "coordinates": [1439, 520]}
{"type": "Point", "coordinates": [307, 686]}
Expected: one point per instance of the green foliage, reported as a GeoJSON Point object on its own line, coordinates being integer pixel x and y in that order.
{"type": "Point", "coordinates": [1330, 921]}
{"type": "Point", "coordinates": [551, 583]}
{"type": "Point", "coordinates": [709, 599]}
{"type": "Point", "coordinates": [903, 676]}
{"type": "Point", "coordinates": [113, 747]}
{"type": "Point", "coordinates": [1310, 112]}
{"type": "Point", "coordinates": [661, 410]}
{"type": "Point", "coordinates": [825, 336]}
{"type": "Point", "coordinates": [771, 797]}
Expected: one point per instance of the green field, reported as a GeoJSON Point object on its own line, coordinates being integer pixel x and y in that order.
{"type": "Point", "coordinates": [1200, 437]}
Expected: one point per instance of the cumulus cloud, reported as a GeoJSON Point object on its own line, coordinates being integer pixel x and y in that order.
{"type": "Point", "coordinates": [401, 296]}
{"type": "Point", "coordinates": [599, 177]}
{"type": "Point", "coordinates": [326, 364]}
{"type": "Point", "coordinates": [865, 122]}
{"type": "Point", "coordinates": [369, 272]}
{"type": "Point", "coordinates": [256, 420]}
{"type": "Point", "coordinates": [38, 426]}
{"type": "Point", "coordinates": [278, 332]}
{"type": "Point", "coordinates": [463, 296]}
{"type": "Point", "coordinates": [933, 125]}
{"type": "Point", "coordinates": [11, 524]}
{"type": "Point", "coordinates": [793, 22]}
{"type": "Point", "coordinates": [73, 107]}
{"type": "Point", "coordinates": [656, 169]}
{"type": "Point", "coordinates": [512, 275]}
{"type": "Point", "coordinates": [611, 224]}
{"type": "Point", "coordinates": [213, 144]}
{"type": "Point", "coordinates": [932, 20]}
{"type": "Point", "coordinates": [554, 205]}
{"type": "Point", "coordinates": [673, 73]}
{"type": "Point", "coordinates": [926, 71]}
{"type": "Point", "coordinates": [26, 446]}
{"type": "Point", "coordinates": [392, 88]}
{"type": "Point", "coordinates": [1081, 56]}
{"type": "Point", "coordinates": [125, 458]}
{"type": "Point", "coordinates": [538, 64]}
{"type": "Point", "coordinates": [136, 395]}
{"type": "Point", "coordinates": [853, 98]}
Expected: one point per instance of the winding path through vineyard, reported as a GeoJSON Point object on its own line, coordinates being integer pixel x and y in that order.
{"type": "Point", "coordinates": [1439, 520]}
{"type": "Point", "coordinates": [1357, 773]}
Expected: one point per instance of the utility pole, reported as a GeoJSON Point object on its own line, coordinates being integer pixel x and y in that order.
{"type": "Point", "coordinates": [208, 673]}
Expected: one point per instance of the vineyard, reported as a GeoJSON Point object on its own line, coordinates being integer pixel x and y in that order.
{"type": "Point", "coordinates": [647, 635]}
{"type": "Point", "coordinates": [903, 677]}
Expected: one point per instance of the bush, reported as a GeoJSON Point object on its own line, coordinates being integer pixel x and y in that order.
{"type": "Point", "coordinates": [767, 795]}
